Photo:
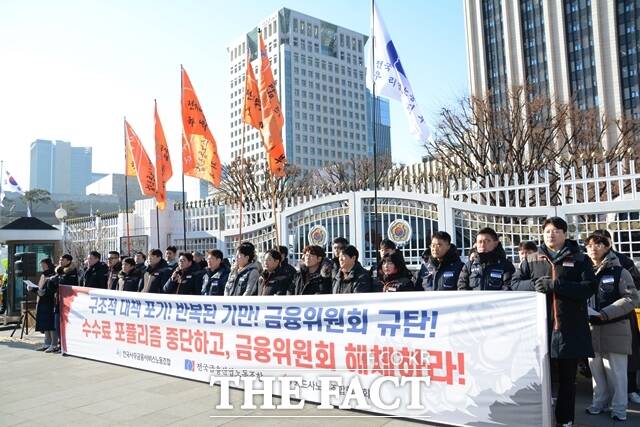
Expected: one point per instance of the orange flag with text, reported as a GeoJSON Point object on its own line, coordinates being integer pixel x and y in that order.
{"type": "Point", "coordinates": [252, 111]}
{"type": "Point", "coordinates": [199, 151]}
{"type": "Point", "coordinates": [144, 167]}
{"type": "Point", "coordinates": [163, 161]}
{"type": "Point", "coordinates": [129, 166]}
{"type": "Point", "coordinates": [272, 118]}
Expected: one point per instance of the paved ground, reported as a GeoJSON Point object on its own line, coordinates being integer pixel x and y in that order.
{"type": "Point", "coordinates": [46, 389]}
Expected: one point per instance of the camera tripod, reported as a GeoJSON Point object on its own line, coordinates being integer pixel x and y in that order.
{"type": "Point", "coordinates": [24, 317]}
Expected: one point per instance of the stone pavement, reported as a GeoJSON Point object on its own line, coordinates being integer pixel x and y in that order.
{"type": "Point", "coordinates": [48, 389]}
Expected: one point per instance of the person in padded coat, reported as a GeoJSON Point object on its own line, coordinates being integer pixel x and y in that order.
{"type": "Point", "coordinates": [156, 274]}
{"type": "Point", "coordinates": [216, 274]}
{"type": "Point", "coordinates": [129, 278]}
{"type": "Point", "coordinates": [610, 332]}
{"type": "Point", "coordinates": [314, 276]}
{"type": "Point", "coordinates": [186, 279]}
{"type": "Point", "coordinates": [243, 279]}
{"type": "Point", "coordinates": [395, 274]}
{"type": "Point", "coordinates": [275, 279]}
{"type": "Point", "coordinates": [352, 278]}
{"type": "Point", "coordinates": [45, 317]}
{"type": "Point", "coordinates": [488, 268]}
{"type": "Point", "coordinates": [97, 273]}
{"type": "Point", "coordinates": [565, 274]}
{"type": "Point", "coordinates": [443, 265]}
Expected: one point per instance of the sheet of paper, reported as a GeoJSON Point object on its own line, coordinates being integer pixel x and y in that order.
{"type": "Point", "coordinates": [30, 285]}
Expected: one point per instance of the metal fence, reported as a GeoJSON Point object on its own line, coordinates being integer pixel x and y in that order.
{"type": "Point", "coordinates": [588, 197]}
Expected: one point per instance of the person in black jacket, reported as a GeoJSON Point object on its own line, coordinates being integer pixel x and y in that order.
{"type": "Point", "coordinates": [352, 278]}
{"type": "Point", "coordinates": [339, 243]}
{"type": "Point", "coordinates": [488, 268]}
{"type": "Point", "coordinates": [274, 280]}
{"type": "Point", "coordinates": [66, 274]}
{"type": "Point", "coordinates": [395, 274]}
{"type": "Point", "coordinates": [97, 272]}
{"type": "Point", "coordinates": [186, 279]}
{"type": "Point", "coordinates": [565, 274]}
{"type": "Point", "coordinates": [45, 321]}
{"type": "Point", "coordinates": [157, 273]}
{"type": "Point", "coordinates": [443, 265]}
{"type": "Point", "coordinates": [216, 274]}
{"type": "Point", "coordinates": [171, 256]}
{"type": "Point", "coordinates": [315, 273]}
{"type": "Point", "coordinates": [198, 260]}
{"type": "Point", "coordinates": [284, 263]}
{"type": "Point", "coordinates": [115, 266]}
{"type": "Point", "coordinates": [140, 259]}
{"type": "Point", "coordinates": [129, 278]}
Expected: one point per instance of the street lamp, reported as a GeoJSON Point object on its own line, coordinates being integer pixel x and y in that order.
{"type": "Point", "coordinates": [61, 214]}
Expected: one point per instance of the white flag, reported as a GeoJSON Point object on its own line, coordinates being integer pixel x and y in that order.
{"type": "Point", "coordinates": [2, 196]}
{"type": "Point", "coordinates": [10, 184]}
{"type": "Point", "coordinates": [391, 80]}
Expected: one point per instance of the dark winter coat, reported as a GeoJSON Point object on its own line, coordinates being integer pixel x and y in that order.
{"type": "Point", "coordinates": [490, 271]}
{"type": "Point", "coordinates": [45, 307]}
{"type": "Point", "coordinates": [156, 276]}
{"type": "Point", "coordinates": [276, 282]}
{"type": "Point", "coordinates": [442, 275]}
{"type": "Point", "coordinates": [132, 282]}
{"type": "Point", "coordinates": [567, 294]}
{"type": "Point", "coordinates": [318, 282]}
{"type": "Point", "coordinates": [396, 283]}
{"type": "Point", "coordinates": [69, 277]}
{"type": "Point", "coordinates": [289, 270]}
{"type": "Point", "coordinates": [141, 267]}
{"type": "Point", "coordinates": [96, 276]}
{"type": "Point", "coordinates": [356, 281]}
{"type": "Point", "coordinates": [188, 283]}
{"type": "Point", "coordinates": [214, 281]}
{"type": "Point", "coordinates": [114, 276]}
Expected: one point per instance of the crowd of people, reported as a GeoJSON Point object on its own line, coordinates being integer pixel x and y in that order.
{"type": "Point", "coordinates": [591, 292]}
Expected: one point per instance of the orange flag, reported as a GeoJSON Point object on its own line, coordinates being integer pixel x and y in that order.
{"type": "Point", "coordinates": [272, 118]}
{"type": "Point", "coordinates": [252, 109]}
{"type": "Point", "coordinates": [129, 167]}
{"type": "Point", "coordinates": [199, 151]}
{"type": "Point", "coordinates": [143, 165]}
{"type": "Point", "coordinates": [163, 161]}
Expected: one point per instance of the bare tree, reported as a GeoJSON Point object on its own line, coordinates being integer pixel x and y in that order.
{"type": "Point", "coordinates": [480, 140]}
{"type": "Point", "coordinates": [356, 175]}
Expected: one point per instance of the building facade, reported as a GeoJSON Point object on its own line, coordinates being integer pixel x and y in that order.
{"type": "Point", "coordinates": [320, 75]}
{"type": "Point", "coordinates": [381, 124]}
{"type": "Point", "coordinates": [59, 168]}
{"type": "Point", "coordinates": [584, 51]}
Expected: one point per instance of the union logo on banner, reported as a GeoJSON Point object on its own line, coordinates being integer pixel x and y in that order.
{"type": "Point", "coordinates": [318, 235]}
{"type": "Point", "coordinates": [399, 232]}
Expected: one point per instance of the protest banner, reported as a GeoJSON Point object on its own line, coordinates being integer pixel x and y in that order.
{"type": "Point", "coordinates": [483, 354]}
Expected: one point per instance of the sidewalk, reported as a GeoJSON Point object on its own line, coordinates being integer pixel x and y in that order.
{"type": "Point", "coordinates": [48, 389]}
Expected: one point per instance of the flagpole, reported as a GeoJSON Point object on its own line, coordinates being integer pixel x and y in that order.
{"type": "Point", "coordinates": [126, 187]}
{"type": "Point", "coordinates": [184, 202]}
{"type": "Point", "coordinates": [244, 127]}
{"type": "Point", "coordinates": [155, 111]}
{"type": "Point", "coordinates": [373, 125]}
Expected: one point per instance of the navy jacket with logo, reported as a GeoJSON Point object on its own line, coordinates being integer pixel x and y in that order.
{"type": "Point", "coordinates": [442, 275]}
{"type": "Point", "coordinates": [490, 271]}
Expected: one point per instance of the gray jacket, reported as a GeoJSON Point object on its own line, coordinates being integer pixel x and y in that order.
{"type": "Point", "coordinates": [615, 337]}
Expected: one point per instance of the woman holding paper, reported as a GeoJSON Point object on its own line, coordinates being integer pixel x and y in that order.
{"type": "Point", "coordinates": [44, 310]}
{"type": "Point", "coordinates": [610, 332]}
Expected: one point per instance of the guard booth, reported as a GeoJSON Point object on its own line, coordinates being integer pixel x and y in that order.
{"type": "Point", "coordinates": [29, 240]}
